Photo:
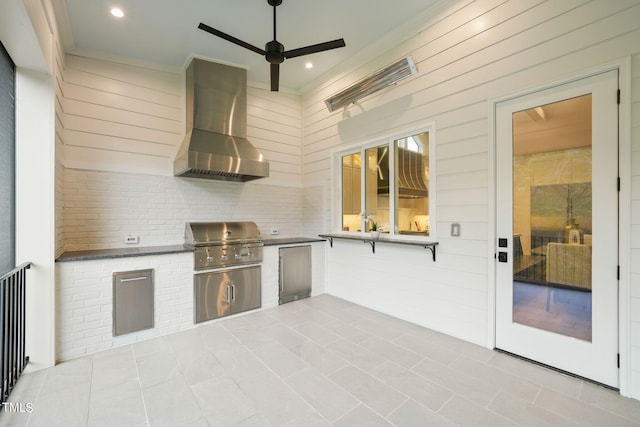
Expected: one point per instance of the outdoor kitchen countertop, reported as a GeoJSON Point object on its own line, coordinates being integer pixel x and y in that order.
{"type": "Point", "coordinates": [162, 250]}
{"type": "Point", "coordinates": [121, 253]}
{"type": "Point", "coordinates": [290, 240]}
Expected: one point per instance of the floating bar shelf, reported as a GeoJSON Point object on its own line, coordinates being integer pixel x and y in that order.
{"type": "Point", "coordinates": [427, 245]}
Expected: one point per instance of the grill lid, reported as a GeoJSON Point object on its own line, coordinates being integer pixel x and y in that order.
{"type": "Point", "coordinates": [212, 233]}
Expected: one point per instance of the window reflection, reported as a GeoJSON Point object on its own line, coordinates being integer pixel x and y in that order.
{"type": "Point", "coordinates": [387, 186]}
{"type": "Point", "coordinates": [411, 184]}
{"type": "Point", "coordinates": [377, 203]}
{"type": "Point", "coordinates": [351, 192]}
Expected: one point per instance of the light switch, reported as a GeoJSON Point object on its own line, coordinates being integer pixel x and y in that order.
{"type": "Point", "coordinates": [455, 229]}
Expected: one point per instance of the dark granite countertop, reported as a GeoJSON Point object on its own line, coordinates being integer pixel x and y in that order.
{"type": "Point", "coordinates": [290, 240]}
{"type": "Point", "coordinates": [163, 250]}
{"type": "Point", "coordinates": [121, 253]}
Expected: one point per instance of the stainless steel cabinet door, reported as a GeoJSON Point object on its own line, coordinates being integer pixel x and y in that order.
{"type": "Point", "coordinates": [295, 273]}
{"type": "Point", "coordinates": [212, 295]}
{"type": "Point", "coordinates": [133, 301]}
{"type": "Point", "coordinates": [246, 293]}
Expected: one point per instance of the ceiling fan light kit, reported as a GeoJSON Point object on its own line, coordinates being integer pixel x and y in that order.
{"type": "Point", "coordinates": [372, 83]}
{"type": "Point", "coordinates": [274, 51]}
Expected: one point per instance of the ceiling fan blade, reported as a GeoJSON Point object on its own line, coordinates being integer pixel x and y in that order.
{"type": "Point", "coordinates": [275, 77]}
{"type": "Point", "coordinates": [231, 39]}
{"type": "Point", "coordinates": [320, 47]}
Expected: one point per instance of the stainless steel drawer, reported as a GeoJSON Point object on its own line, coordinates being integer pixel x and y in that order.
{"type": "Point", "coordinates": [133, 301]}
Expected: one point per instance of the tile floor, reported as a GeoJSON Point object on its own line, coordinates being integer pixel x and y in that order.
{"type": "Point", "coordinates": [320, 361]}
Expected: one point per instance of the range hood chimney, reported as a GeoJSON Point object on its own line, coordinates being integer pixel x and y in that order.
{"type": "Point", "coordinates": [215, 144]}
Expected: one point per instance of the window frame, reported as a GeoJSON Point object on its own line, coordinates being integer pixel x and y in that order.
{"type": "Point", "coordinates": [361, 148]}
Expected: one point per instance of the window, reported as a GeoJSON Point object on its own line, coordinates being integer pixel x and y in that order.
{"type": "Point", "coordinates": [386, 185]}
{"type": "Point", "coordinates": [7, 162]}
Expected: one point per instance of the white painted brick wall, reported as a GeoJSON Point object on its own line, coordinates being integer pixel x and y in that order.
{"type": "Point", "coordinates": [84, 290]}
{"type": "Point", "coordinates": [101, 208]}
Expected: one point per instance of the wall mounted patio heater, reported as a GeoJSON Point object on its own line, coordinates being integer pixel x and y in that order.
{"type": "Point", "coordinates": [372, 83]}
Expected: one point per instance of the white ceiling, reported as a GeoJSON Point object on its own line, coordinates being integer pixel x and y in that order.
{"type": "Point", "coordinates": [164, 32]}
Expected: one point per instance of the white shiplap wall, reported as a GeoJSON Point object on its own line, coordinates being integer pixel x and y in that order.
{"type": "Point", "coordinates": [470, 53]}
{"type": "Point", "coordinates": [120, 117]}
{"type": "Point", "coordinates": [122, 122]}
{"type": "Point", "coordinates": [635, 226]}
{"type": "Point", "coordinates": [274, 127]}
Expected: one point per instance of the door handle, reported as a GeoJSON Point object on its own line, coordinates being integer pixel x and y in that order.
{"type": "Point", "coordinates": [228, 294]}
{"type": "Point", "coordinates": [133, 279]}
{"type": "Point", "coordinates": [233, 291]}
{"type": "Point", "coordinates": [281, 274]}
{"type": "Point", "coordinates": [502, 257]}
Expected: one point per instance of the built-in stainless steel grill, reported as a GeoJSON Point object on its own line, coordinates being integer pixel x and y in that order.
{"type": "Point", "coordinates": [227, 264]}
{"type": "Point", "coordinates": [224, 244]}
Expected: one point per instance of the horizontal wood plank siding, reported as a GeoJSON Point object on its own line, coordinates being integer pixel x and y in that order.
{"type": "Point", "coordinates": [471, 52]}
{"type": "Point", "coordinates": [59, 148]}
{"type": "Point", "coordinates": [274, 127]}
{"type": "Point", "coordinates": [120, 117]}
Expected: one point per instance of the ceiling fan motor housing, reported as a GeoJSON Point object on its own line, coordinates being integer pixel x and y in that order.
{"type": "Point", "coordinates": [274, 52]}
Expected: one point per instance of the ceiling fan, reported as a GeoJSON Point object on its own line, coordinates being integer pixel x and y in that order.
{"type": "Point", "coordinates": [274, 51]}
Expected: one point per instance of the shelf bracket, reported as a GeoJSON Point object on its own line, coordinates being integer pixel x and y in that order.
{"type": "Point", "coordinates": [330, 240]}
{"type": "Point", "coordinates": [372, 243]}
{"type": "Point", "coordinates": [432, 248]}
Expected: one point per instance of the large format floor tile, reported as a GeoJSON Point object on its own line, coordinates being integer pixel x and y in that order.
{"type": "Point", "coordinates": [316, 362]}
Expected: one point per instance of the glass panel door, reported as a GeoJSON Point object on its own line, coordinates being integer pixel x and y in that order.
{"type": "Point", "coordinates": [557, 227]}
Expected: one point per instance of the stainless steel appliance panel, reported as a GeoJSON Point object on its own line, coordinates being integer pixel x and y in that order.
{"type": "Point", "coordinates": [133, 301]}
{"type": "Point", "coordinates": [208, 257]}
{"type": "Point", "coordinates": [223, 292]}
{"type": "Point", "coordinates": [295, 273]}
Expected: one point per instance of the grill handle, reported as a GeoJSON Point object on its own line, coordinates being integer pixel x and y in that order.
{"type": "Point", "coordinates": [244, 255]}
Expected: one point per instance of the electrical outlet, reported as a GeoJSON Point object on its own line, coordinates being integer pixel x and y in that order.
{"type": "Point", "coordinates": [275, 231]}
{"type": "Point", "coordinates": [132, 240]}
{"type": "Point", "coordinates": [455, 229]}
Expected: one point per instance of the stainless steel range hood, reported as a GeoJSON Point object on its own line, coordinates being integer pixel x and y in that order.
{"type": "Point", "coordinates": [410, 182]}
{"type": "Point", "coordinates": [215, 144]}
{"type": "Point", "coordinates": [410, 174]}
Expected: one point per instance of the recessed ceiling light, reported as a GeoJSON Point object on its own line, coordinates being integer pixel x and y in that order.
{"type": "Point", "coordinates": [308, 65]}
{"type": "Point", "coordinates": [118, 13]}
